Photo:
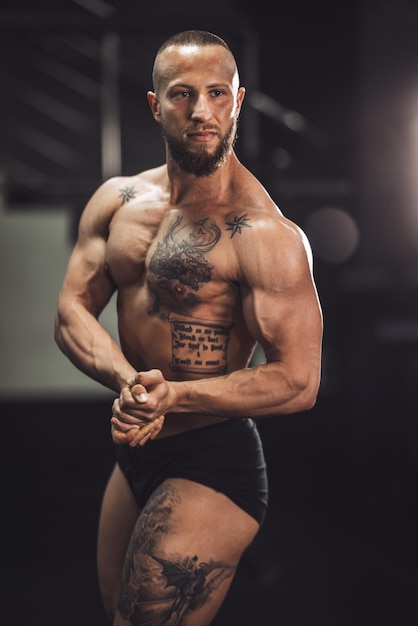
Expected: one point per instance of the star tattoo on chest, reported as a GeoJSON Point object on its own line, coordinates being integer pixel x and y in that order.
{"type": "Point", "coordinates": [237, 224]}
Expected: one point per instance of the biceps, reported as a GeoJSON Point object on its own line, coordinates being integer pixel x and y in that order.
{"type": "Point", "coordinates": [288, 325]}
{"type": "Point", "coordinates": [87, 282]}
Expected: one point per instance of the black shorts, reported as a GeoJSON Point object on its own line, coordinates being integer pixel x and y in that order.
{"type": "Point", "coordinates": [227, 456]}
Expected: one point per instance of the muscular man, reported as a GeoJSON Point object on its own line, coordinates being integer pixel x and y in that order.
{"type": "Point", "coordinates": [205, 266]}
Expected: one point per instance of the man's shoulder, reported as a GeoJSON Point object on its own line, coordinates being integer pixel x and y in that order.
{"type": "Point", "coordinates": [257, 204]}
{"type": "Point", "coordinates": [126, 191]}
{"type": "Point", "coordinates": [155, 175]}
{"type": "Point", "coordinates": [268, 227]}
{"type": "Point", "coordinates": [138, 183]}
{"type": "Point", "coordinates": [254, 196]}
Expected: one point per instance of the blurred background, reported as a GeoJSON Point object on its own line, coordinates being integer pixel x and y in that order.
{"type": "Point", "coordinates": [330, 127]}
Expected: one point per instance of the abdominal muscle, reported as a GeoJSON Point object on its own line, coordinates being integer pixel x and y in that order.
{"type": "Point", "coordinates": [183, 348]}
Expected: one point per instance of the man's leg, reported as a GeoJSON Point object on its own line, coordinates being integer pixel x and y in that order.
{"type": "Point", "coordinates": [182, 556]}
{"type": "Point", "coordinates": [118, 515]}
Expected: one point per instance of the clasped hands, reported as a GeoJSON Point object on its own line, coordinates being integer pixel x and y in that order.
{"type": "Point", "coordinates": [138, 412]}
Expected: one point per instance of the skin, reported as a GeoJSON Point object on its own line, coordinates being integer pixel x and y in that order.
{"type": "Point", "coordinates": [255, 285]}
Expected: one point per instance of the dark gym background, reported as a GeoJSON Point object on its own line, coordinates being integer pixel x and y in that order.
{"type": "Point", "coordinates": [330, 126]}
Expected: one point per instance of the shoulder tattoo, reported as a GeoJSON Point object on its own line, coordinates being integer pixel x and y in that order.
{"type": "Point", "coordinates": [127, 193]}
{"type": "Point", "coordinates": [237, 224]}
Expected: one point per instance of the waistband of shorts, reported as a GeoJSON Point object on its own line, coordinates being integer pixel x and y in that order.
{"type": "Point", "coordinates": [197, 435]}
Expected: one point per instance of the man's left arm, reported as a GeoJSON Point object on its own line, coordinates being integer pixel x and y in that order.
{"type": "Point", "coordinates": [283, 313]}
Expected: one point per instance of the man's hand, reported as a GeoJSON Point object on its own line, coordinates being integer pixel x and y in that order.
{"type": "Point", "coordinates": [138, 412]}
{"type": "Point", "coordinates": [135, 435]}
{"type": "Point", "coordinates": [147, 395]}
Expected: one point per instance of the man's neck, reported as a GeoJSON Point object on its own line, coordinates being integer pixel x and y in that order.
{"type": "Point", "coordinates": [187, 188]}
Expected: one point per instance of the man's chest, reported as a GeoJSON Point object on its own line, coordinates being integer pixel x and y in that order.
{"type": "Point", "coordinates": [183, 262]}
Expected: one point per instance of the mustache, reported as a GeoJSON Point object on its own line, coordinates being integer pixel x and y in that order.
{"type": "Point", "coordinates": [200, 128]}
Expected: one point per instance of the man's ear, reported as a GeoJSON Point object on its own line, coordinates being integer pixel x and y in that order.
{"type": "Point", "coordinates": [154, 105]}
{"type": "Point", "coordinates": [240, 98]}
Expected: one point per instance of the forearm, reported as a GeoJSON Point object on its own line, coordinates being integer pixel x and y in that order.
{"type": "Point", "coordinates": [91, 349]}
{"type": "Point", "coordinates": [261, 391]}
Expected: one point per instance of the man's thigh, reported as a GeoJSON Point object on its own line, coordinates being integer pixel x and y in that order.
{"type": "Point", "coordinates": [182, 556]}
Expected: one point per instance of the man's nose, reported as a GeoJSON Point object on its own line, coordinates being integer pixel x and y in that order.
{"type": "Point", "coordinates": [201, 110]}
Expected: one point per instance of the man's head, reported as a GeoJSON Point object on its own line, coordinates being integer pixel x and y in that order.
{"type": "Point", "coordinates": [196, 99]}
{"type": "Point", "coordinates": [192, 39]}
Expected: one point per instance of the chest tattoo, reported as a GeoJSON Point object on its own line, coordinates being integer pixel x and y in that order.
{"type": "Point", "coordinates": [181, 255]}
{"type": "Point", "coordinates": [178, 270]}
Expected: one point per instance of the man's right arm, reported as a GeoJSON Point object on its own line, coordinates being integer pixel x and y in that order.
{"type": "Point", "coordinates": [85, 292]}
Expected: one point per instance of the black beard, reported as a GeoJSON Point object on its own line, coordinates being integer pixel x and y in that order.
{"type": "Point", "coordinates": [200, 162]}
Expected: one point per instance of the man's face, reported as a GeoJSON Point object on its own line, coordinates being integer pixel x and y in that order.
{"type": "Point", "coordinates": [200, 160]}
{"type": "Point", "coordinates": [197, 106]}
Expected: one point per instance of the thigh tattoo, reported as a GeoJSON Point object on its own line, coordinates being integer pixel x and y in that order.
{"type": "Point", "coordinates": [159, 589]}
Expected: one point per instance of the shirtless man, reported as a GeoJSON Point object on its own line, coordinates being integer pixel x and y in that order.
{"type": "Point", "coordinates": [205, 265]}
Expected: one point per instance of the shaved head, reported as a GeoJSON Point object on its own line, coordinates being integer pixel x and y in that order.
{"type": "Point", "coordinates": [190, 40]}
